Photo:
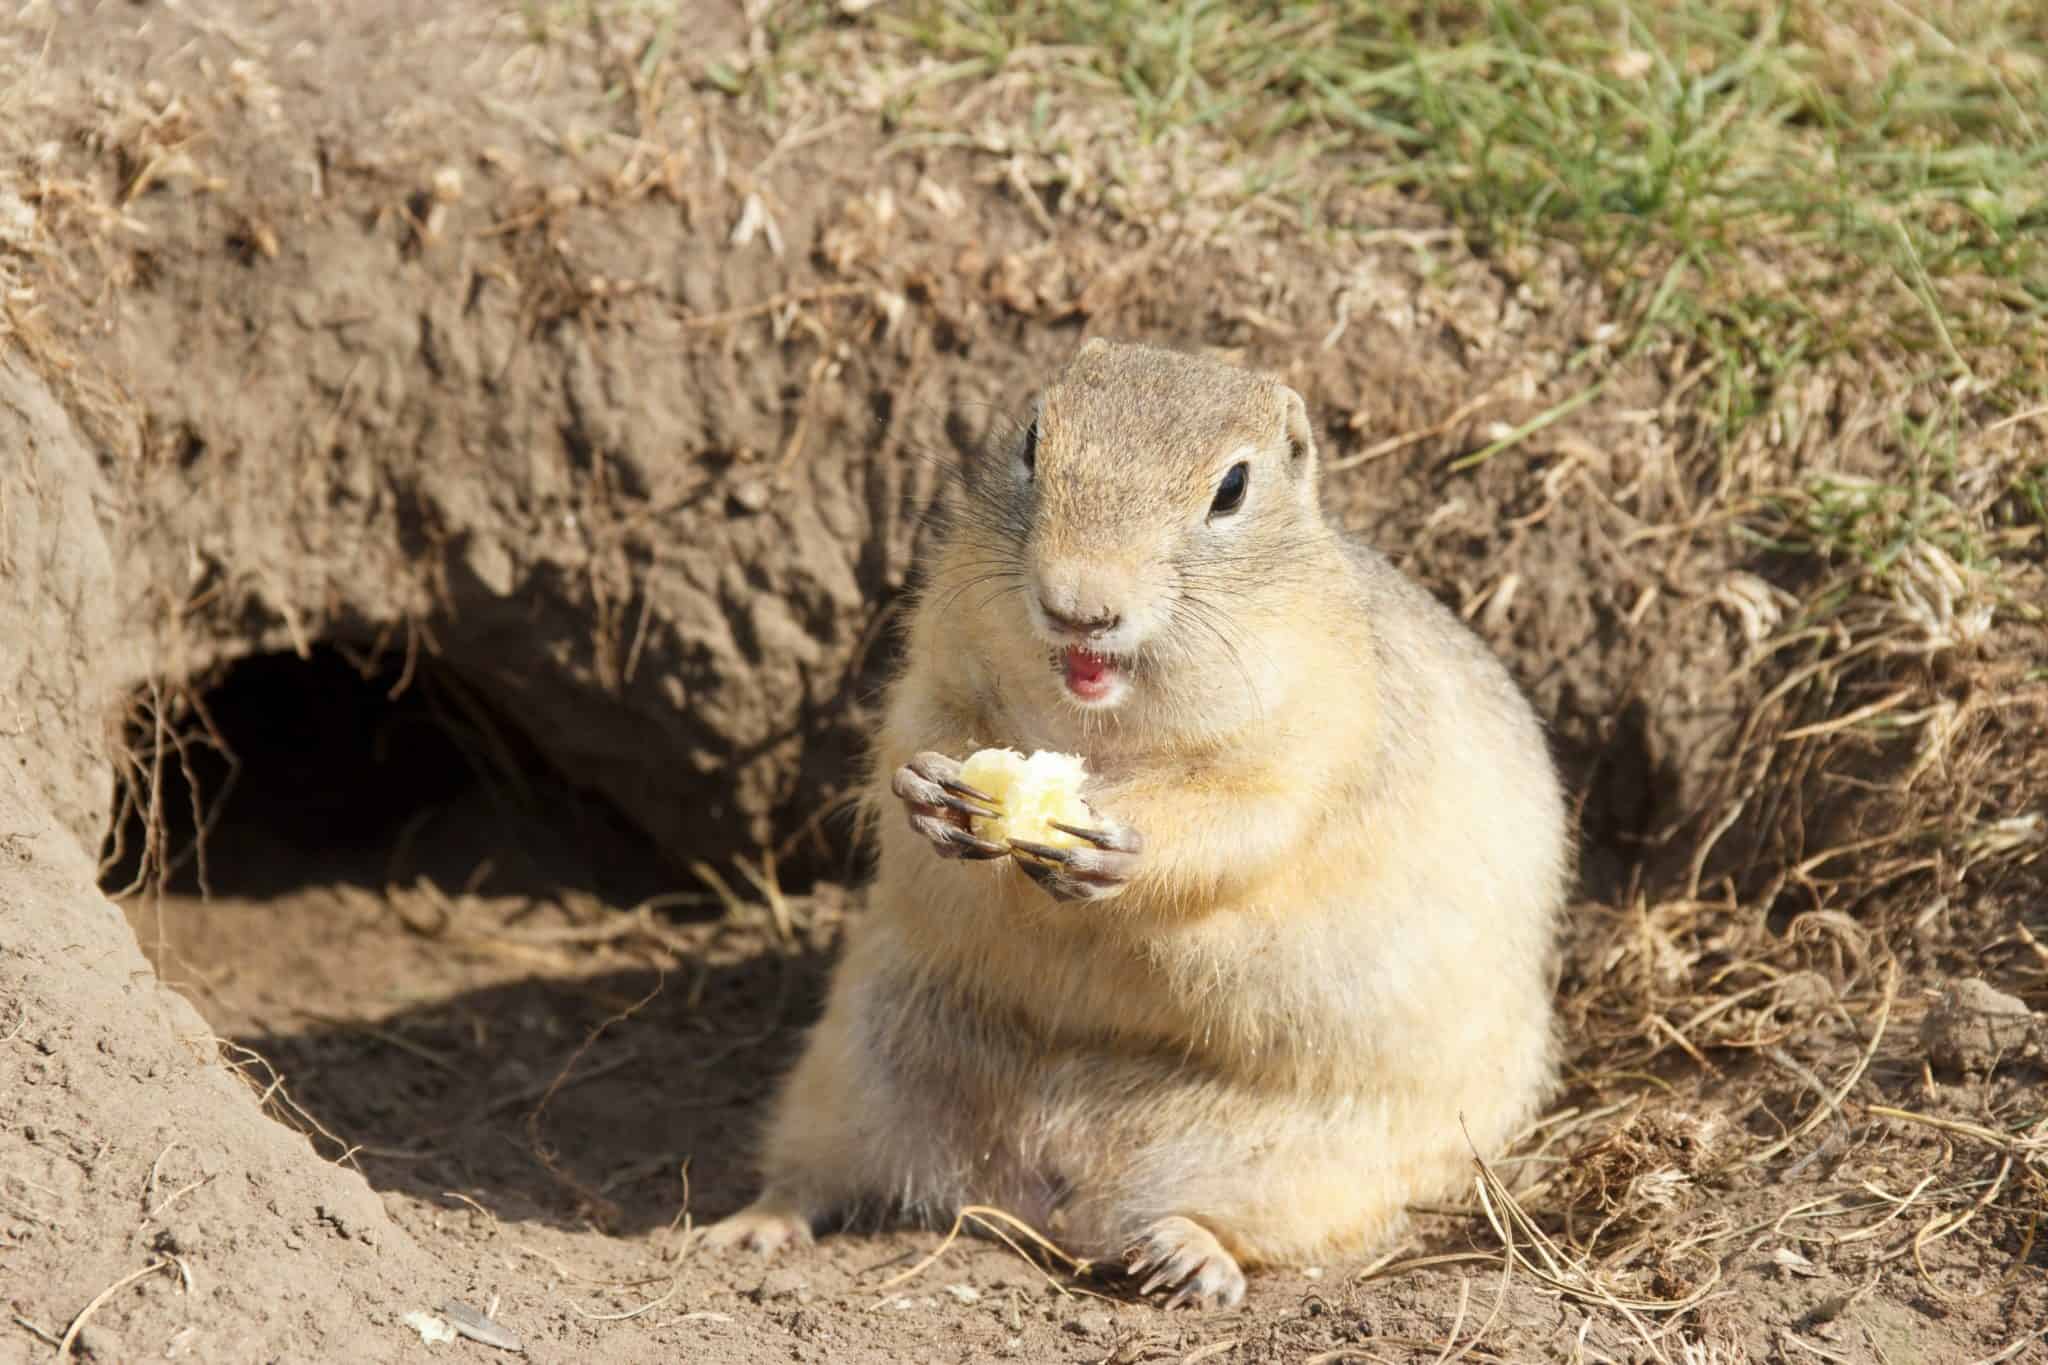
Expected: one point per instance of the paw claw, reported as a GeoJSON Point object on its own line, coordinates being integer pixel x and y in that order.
{"type": "Point", "coordinates": [1185, 1257]}
{"type": "Point", "coordinates": [942, 808]}
{"type": "Point", "coordinates": [959, 788]}
{"type": "Point", "coordinates": [951, 841]}
{"type": "Point", "coordinates": [1076, 874]}
{"type": "Point", "coordinates": [968, 808]}
{"type": "Point", "coordinates": [1118, 840]}
{"type": "Point", "coordinates": [968, 845]}
{"type": "Point", "coordinates": [1043, 852]}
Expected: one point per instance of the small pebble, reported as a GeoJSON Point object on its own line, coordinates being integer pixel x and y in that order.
{"type": "Point", "coordinates": [1973, 1026]}
{"type": "Point", "coordinates": [750, 496]}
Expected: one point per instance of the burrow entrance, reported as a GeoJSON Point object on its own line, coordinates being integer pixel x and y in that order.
{"type": "Point", "coordinates": [278, 773]}
{"type": "Point", "coordinates": [435, 955]}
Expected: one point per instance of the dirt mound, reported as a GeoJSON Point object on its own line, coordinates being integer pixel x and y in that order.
{"type": "Point", "coordinates": [126, 1149]}
{"type": "Point", "coordinates": [506, 449]}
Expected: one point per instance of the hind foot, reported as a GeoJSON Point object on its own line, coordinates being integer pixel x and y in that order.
{"type": "Point", "coordinates": [1180, 1255]}
{"type": "Point", "coordinates": [761, 1227]}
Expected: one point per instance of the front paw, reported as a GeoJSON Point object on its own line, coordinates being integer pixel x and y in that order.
{"type": "Point", "coordinates": [942, 807]}
{"type": "Point", "coordinates": [1110, 856]}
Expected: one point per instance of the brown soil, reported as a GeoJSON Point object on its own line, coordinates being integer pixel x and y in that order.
{"type": "Point", "coordinates": [411, 476]}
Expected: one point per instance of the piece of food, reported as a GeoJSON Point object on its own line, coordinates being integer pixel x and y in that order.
{"type": "Point", "coordinates": [1031, 793]}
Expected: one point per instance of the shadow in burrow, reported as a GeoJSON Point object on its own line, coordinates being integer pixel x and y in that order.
{"type": "Point", "coordinates": [623, 1100]}
{"type": "Point", "coordinates": [351, 766]}
{"type": "Point", "coordinates": [563, 1097]}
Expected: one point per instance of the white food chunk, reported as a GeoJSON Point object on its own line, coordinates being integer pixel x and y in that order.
{"type": "Point", "coordinates": [1031, 793]}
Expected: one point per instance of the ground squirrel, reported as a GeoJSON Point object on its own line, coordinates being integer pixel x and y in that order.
{"type": "Point", "coordinates": [1298, 969]}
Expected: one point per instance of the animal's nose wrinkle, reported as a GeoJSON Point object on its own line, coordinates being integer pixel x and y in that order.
{"type": "Point", "coordinates": [1081, 625]}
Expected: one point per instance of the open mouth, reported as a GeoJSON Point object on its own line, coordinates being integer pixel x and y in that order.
{"type": "Point", "coordinates": [1091, 678]}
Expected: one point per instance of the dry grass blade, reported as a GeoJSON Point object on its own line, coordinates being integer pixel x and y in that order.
{"type": "Point", "coordinates": [765, 881]}
{"type": "Point", "coordinates": [795, 298]}
{"type": "Point", "coordinates": [1458, 1317]}
{"type": "Point", "coordinates": [1831, 1104]}
{"type": "Point", "coordinates": [1562, 1270]}
{"type": "Point", "coordinates": [100, 1299]}
{"type": "Point", "coordinates": [276, 1099]}
{"type": "Point", "coordinates": [545, 1153]}
{"type": "Point", "coordinates": [2031, 1146]}
{"type": "Point", "coordinates": [1942, 1225]}
{"type": "Point", "coordinates": [994, 1221]}
{"type": "Point", "coordinates": [1392, 1266]}
{"type": "Point", "coordinates": [675, 1287]}
{"type": "Point", "coordinates": [38, 1333]}
{"type": "Point", "coordinates": [2013, 1349]}
{"type": "Point", "coordinates": [1360, 1355]}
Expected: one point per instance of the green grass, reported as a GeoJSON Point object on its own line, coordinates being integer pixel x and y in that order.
{"type": "Point", "coordinates": [1936, 520]}
{"type": "Point", "coordinates": [1871, 524]}
{"type": "Point", "coordinates": [1778, 185]}
{"type": "Point", "coordinates": [1867, 540]}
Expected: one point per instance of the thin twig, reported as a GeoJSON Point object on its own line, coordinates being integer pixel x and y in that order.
{"type": "Point", "coordinates": [100, 1299]}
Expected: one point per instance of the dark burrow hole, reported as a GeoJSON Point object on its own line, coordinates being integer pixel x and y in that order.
{"type": "Point", "coordinates": [430, 1050]}
{"type": "Point", "coordinates": [1622, 794]}
{"type": "Point", "coordinates": [333, 769]}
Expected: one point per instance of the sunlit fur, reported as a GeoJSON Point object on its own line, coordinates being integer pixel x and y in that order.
{"type": "Point", "coordinates": [1333, 966]}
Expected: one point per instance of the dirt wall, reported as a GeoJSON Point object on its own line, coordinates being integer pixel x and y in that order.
{"type": "Point", "coordinates": [57, 608]}
{"type": "Point", "coordinates": [113, 1096]}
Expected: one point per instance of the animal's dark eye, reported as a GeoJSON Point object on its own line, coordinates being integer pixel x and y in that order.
{"type": "Point", "coordinates": [1030, 452]}
{"type": "Point", "coordinates": [1230, 492]}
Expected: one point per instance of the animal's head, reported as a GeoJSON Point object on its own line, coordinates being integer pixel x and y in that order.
{"type": "Point", "coordinates": [1151, 519]}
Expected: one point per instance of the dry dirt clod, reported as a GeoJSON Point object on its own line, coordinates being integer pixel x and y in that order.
{"type": "Point", "coordinates": [782, 1283]}
{"type": "Point", "coordinates": [1974, 1026]}
{"type": "Point", "coordinates": [1093, 1323]}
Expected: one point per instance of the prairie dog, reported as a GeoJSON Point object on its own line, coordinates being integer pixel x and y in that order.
{"type": "Point", "coordinates": [1304, 950]}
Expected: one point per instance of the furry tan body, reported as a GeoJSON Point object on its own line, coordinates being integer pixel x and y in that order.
{"type": "Point", "coordinates": [1260, 1036]}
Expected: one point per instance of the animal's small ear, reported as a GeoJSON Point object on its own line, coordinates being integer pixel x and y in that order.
{"type": "Point", "coordinates": [1301, 436]}
{"type": "Point", "coordinates": [1092, 346]}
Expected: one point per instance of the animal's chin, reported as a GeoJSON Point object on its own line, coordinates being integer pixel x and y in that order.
{"type": "Point", "coordinates": [1096, 681]}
